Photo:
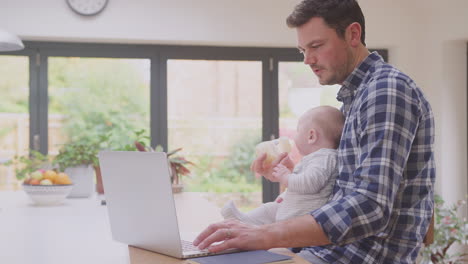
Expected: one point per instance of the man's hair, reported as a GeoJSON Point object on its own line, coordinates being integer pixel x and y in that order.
{"type": "Point", "coordinates": [337, 14]}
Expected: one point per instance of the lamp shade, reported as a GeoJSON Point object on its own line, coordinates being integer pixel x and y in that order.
{"type": "Point", "coordinates": [9, 42]}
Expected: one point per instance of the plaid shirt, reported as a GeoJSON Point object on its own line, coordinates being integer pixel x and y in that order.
{"type": "Point", "coordinates": [383, 196]}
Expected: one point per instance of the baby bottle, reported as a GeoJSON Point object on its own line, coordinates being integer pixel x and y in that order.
{"type": "Point", "coordinates": [273, 149]}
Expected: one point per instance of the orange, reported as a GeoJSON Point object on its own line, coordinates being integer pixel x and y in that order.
{"type": "Point", "coordinates": [62, 178]}
{"type": "Point", "coordinates": [50, 174]}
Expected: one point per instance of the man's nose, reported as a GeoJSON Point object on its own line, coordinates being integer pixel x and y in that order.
{"type": "Point", "coordinates": [309, 58]}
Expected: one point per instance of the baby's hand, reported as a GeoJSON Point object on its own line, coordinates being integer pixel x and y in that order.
{"type": "Point", "coordinates": [280, 174]}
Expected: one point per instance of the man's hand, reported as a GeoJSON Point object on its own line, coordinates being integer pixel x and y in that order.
{"type": "Point", "coordinates": [234, 234]}
{"type": "Point", "coordinates": [280, 174]}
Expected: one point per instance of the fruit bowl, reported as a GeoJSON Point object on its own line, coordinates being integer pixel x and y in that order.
{"type": "Point", "coordinates": [47, 194]}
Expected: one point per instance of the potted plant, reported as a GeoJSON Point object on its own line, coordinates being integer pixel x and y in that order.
{"type": "Point", "coordinates": [177, 164]}
{"type": "Point", "coordinates": [107, 142]}
{"type": "Point", "coordinates": [178, 168]}
{"type": "Point", "coordinates": [78, 159]}
{"type": "Point", "coordinates": [104, 143]}
{"type": "Point", "coordinates": [449, 229]}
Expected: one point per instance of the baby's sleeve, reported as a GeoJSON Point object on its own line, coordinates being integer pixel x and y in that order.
{"type": "Point", "coordinates": [314, 176]}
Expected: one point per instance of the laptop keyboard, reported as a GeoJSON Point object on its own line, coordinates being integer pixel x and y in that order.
{"type": "Point", "coordinates": [188, 246]}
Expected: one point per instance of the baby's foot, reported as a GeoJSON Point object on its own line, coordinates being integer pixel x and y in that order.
{"type": "Point", "coordinates": [230, 211]}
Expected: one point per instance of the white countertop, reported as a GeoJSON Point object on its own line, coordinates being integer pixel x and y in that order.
{"type": "Point", "coordinates": [77, 231]}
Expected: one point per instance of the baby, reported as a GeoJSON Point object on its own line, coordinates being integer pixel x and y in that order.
{"type": "Point", "coordinates": [311, 182]}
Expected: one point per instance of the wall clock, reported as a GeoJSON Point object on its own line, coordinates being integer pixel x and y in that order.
{"type": "Point", "coordinates": [87, 7]}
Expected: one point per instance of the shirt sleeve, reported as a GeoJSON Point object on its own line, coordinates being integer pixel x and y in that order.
{"type": "Point", "coordinates": [385, 126]}
{"type": "Point", "coordinates": [314, 175]}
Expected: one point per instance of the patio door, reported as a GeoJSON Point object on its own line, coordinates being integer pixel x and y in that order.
{"type": "Point", "coordinates": [214, 110]}
{"type": "Point", "coordinates": [17, 86]}
{"type": "Point", "coordinates": [90, 97]}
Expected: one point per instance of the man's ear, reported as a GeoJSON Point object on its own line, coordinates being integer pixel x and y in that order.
{"type": "Point", "coordinates": [353, 34]}
{"type": "Point", "coordinates": [313, 136]}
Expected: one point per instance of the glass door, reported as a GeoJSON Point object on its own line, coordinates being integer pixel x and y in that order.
{"type": "Point", "coordinates": [89, 97]}
{"type": "Point", "coordinates": [215, 116]}
{"type": "Point", "coordinates": [14, 115]}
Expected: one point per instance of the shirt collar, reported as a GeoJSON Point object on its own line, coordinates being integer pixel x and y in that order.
{"type": "Point", "coordinates": [354, 80]}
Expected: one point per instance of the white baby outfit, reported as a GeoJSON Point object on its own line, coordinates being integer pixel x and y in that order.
{"type": "Point", "coordinates": [309, 187]}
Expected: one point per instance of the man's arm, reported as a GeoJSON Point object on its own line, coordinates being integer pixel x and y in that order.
{"type": "Point", "coordinates": [297, 232]}
{"type": "Point", "coordinates": [300, 231]}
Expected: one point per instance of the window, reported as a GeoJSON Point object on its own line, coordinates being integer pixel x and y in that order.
{"type": "Point", "coordinates": [14, 113]}
{"type": "Point", "coordinates": [216, 103]}
{"type": "Point", "coordinates": [89, 97]}
{"type": "Point", "coordinates": [215, 115]}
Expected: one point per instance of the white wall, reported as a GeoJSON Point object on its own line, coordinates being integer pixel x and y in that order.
{"type": "Point", "coordinates": [426, 39]}
{"type": "Point", "coordinates": [447, 74]}
{"type": "Point", "coordinates": [234, 23]}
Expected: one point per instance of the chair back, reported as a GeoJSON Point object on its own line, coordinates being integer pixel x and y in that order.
{"type": "Point", "coordinates": [429, 238]}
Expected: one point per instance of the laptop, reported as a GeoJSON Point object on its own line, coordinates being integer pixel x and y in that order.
{"type": "Point", "coordinates": [141, 205]}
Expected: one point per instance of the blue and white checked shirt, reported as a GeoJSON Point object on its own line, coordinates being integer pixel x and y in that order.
{"type": "Point", "coordinates": [383, 197]}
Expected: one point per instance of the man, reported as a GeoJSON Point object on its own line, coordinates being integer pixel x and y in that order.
{"type": "Point", "coordinates": [383, 196]}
